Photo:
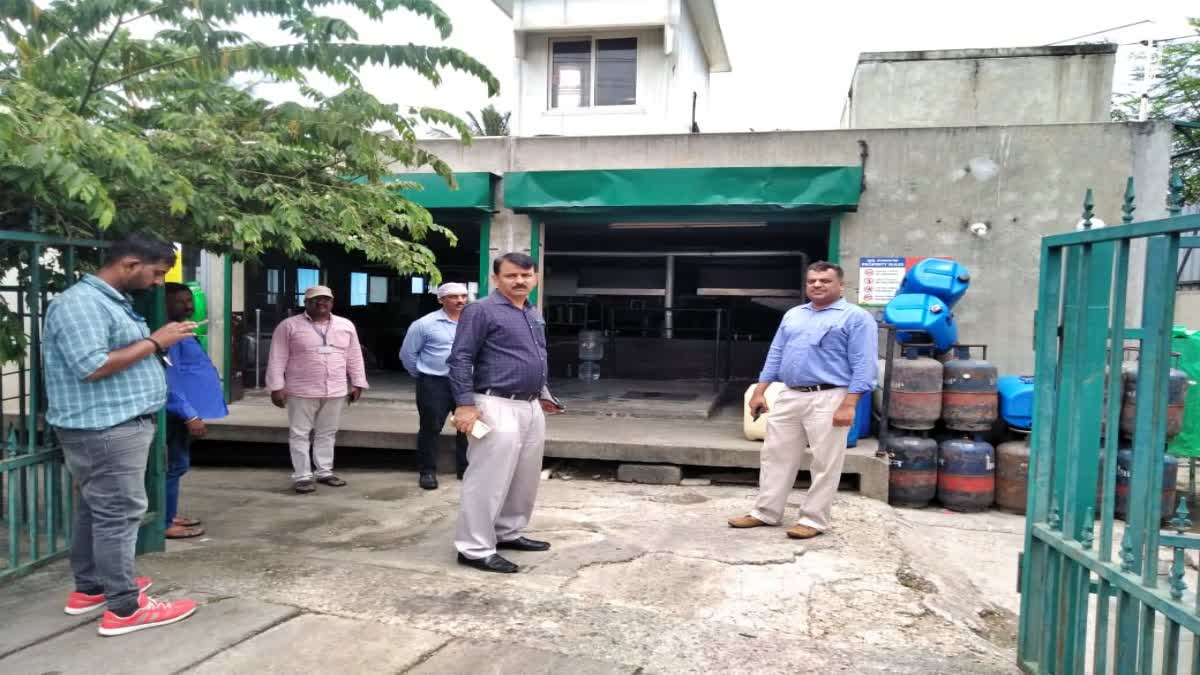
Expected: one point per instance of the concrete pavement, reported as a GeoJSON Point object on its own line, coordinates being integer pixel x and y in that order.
{"type": "Point", "coordinates": [640, 578]}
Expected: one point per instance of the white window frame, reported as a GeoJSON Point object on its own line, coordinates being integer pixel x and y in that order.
{"type": "Point", "coordinates": [592, 79]}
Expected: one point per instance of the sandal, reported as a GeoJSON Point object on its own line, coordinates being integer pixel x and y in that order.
{"type": "Point", "coordinates": [186, 522]}
{"type": "Point", "coordinates": [181, 532]}
{"type": "Point", "coordinates": [331, 480]}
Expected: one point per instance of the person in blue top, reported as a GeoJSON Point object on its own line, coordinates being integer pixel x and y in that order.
{"type": "Point", "coordinates": [424, 352]}
{"type": "Point", "coordinates": [194, 394]}
{"type": "Point", "coordinates": [825, 352]}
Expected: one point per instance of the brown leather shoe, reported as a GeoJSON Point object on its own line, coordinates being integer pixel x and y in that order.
{"type": "Point", "coordinates": [746, 521]}
{"type": "Point", "coordinates": [798, 531]}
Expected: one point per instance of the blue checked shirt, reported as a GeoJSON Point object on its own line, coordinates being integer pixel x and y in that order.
{"type": "Point", "coordinates": [82, 326]}
{"type": "Point", "coordinates": [498, 346]}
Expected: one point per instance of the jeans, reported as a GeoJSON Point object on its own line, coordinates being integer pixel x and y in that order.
{"type": "Point", "coordinates": [435, 402]}
{"type": "Point", "coordinates": [110, 467]}
{"type": "Point", "coordinates": [179, 460]}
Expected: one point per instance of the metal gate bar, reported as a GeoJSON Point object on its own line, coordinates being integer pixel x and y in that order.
{"type": "Point", "coordinates": [1080, 334]}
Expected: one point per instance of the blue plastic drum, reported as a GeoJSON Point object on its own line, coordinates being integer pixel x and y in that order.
{"type": "Point", "coordinates": [922, 312]}
{"type": "Point", "coordinates": [943, 279]}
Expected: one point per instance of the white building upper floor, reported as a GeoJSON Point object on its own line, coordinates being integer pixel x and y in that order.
{"type": "Point", "coordinates": [613, 67]}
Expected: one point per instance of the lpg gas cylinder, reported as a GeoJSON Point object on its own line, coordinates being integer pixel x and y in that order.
{"type": "Point", "coordinates": [1012, 474]}
{"type": "Point", "coordinates": [1177, 386]}
{"type": "Point", "coordinates": [966, 474]}
{"type": "Point", "coordinates": [970, 399]}
{"type": "Point", "coordinates": [912, 478]}
{"type": "Point", "coordinates": [916, 392]}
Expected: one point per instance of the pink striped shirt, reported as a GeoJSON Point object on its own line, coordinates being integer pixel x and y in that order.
{"type": "Point", "coordinates": [315, 360]}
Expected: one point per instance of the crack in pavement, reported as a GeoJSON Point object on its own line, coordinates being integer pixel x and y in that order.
{"type": "Point", "coordinates": [427, 655]}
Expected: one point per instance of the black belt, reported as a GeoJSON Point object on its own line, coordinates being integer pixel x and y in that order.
{"type": "Point", "coordinates": [511, 395]}
{"type": "Point", "coordinates": [806, 388]}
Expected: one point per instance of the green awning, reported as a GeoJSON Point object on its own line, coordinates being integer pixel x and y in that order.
{"type": "Point", "coordinates": [743, 190]}
{"type": "Point", "coordinates": [474, 190]}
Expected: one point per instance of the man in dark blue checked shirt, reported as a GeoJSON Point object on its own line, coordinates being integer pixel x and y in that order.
{"type": "Point", "coordinates": [104, 382]}
{"type": "Point", "coordinates": [498, 378]}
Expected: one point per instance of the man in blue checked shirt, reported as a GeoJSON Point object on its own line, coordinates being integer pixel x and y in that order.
{"type": "Point", "coordinates": [104, 382]}
{"type": "Point", "coordinates": [424, 352]}
{"type": "Point", "coordinates": [194, 394]}
{"type": "Point", "coordinates": [825, 352]}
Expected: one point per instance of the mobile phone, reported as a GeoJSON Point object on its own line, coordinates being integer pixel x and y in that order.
{"type": "Point", "coordinates": [758, 411]}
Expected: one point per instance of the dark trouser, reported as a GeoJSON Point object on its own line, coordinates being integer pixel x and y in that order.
{"type": "Point", "coordinates": [110, 467]}
{"type": "Point", "coordinates": [179, 460]}
{"type": "Point", "coordinates": [435, 403]}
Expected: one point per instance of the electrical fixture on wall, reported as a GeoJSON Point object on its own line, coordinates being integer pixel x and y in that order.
{"type": "Point", "coordinates": [1093, 224]}
{"type": "Point", "coordinates": [981, 230]}
{"type": "Point", "coordinates": [680, 226]}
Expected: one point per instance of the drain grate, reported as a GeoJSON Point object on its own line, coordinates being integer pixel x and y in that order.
{"type": "Point", "coordinates": [657, 396]}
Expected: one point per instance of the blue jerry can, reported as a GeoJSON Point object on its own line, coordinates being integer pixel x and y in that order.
{"type": "Point", "coordinates": [1016, 400]}
{"type": "Point", "coordinates": [943, 279]}
{"type": "Point", "coordinates": [922, 312]}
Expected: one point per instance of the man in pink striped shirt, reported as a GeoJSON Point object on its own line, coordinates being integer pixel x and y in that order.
{"type": "Point", "coordinates": [314, 370]}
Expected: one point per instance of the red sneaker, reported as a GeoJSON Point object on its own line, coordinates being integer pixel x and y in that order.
{"type": "Point", "coordinates": [78, 603]}
{"type": "Point", "coordinates": [151, 613]}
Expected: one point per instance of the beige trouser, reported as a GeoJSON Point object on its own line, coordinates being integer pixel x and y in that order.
{"type": "Point", "coordinates": [320, 417]}
{"type": "Point", "coordinates": [503, 472]}
{"type": "Point", "coordinates": [797, 420]}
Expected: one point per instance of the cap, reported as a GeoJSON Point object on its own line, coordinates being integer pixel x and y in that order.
{"type": "Point", "coordinates": [452, 288]}
{"type": "Point", "coordinates": [317, 292]}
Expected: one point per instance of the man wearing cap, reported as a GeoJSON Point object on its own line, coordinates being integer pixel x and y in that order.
{"type": "Point", "coordinates": [315, 368]}
{"type": "Point", "coordinates": [424, 352]}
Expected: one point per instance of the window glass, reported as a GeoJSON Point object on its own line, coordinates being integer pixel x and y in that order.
{"type": "Point", "coordinates": [306, 278]}
{"type": "Point", "coordinates": [571, 74]}
{"type": "Point", "coordinates": [358, 289]}
{"type": "Point", "coordinates": [379, 290]}
{"type": "Point", "coordinates": [418, 285]}
{"type": "Point", "coordinates": [616, 71]}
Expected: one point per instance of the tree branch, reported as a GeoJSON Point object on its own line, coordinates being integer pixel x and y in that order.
{"type": "Point", "coordinates": [87, 94]}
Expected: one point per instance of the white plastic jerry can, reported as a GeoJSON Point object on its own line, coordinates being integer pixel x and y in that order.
{"type": "Point", "coordinates": [756, 430]}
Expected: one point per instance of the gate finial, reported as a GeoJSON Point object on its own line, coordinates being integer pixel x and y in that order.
{"type": "Point", "coordinates": [1175, 193]}
{"type": "Point", "coordinates": [1088, 209]}
{"type": "Point", "coordinates": [1181, 522]}
{"type": "Point", "coordinates": [1089, 525]}
{"type": "Point", "coordinates": [1126, 552]}
{"type": "Point", "coordinates": [1055, 516]}
{"type": "Point", "coordinates": [1128, 207]}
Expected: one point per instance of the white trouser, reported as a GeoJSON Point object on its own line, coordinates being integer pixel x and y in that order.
{"type": "Point", "coordinates": [800, 419]}
{"type": "Point", "coordinates": [320, 417]}
{"type": "Point", "coordinates": [503, 472]}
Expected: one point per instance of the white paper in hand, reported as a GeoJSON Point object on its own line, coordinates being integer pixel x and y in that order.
{"type": "Point", "coordinates": [479, 429]}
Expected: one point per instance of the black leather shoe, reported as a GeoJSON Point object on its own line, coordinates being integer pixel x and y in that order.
{"type": "Point", "coordinates": [428, 481]}
{"type": "Point", "coordinates": [492, 563]}
{"type": "Point", "coordinates": [523, 544]}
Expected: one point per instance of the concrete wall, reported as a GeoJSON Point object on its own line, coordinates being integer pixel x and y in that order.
{"type": "Point", "coordinates": [1038, 85]}
{"type": "Point", "coordinates": [922, 187]}
{"type": "Point", "coordinates": [1187, 307]}
{"type": "Point", "coordinates": [689, 73]}
{"type": "Point", "coordinates": [566, 14]}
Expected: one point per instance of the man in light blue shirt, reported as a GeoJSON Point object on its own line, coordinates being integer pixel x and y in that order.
{"type": "Point", "coordinates": [825, 352]}
{"type": "Point", "coordinates": [424, 352]}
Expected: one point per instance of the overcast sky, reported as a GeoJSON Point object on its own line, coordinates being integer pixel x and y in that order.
{"type": "Point", "coordinates": [792, 60]}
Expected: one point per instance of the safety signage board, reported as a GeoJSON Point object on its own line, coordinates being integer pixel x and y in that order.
{"type": "Point", "coordinates": [879, 278]}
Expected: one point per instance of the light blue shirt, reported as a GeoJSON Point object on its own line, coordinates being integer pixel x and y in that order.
{"type": "Point", "coordinates": [427, 344]}
{"type": "Point", "coordinates": [837, 345]}
{"type": "Point", "coordinates": [85, 323]}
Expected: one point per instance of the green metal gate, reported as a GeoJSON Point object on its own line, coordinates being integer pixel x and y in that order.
{"type": "Point", "coordinates": [37, 495]}
{"type": "Point", "coordinates": [1095, 602]}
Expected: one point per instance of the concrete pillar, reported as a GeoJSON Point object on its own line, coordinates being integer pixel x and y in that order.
{"type": "Point", "coordinates": [212, 280]}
